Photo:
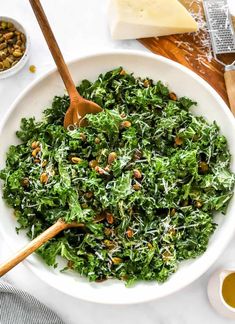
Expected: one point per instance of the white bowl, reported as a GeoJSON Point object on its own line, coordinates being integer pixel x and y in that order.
{"type": "Point", "coordinates": [180, 80]}
{"type": "Point", "coordinates": [16, 68]}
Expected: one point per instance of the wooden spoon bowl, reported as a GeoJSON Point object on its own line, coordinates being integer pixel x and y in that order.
{"type": "Point", "coordinates": [77, 111]}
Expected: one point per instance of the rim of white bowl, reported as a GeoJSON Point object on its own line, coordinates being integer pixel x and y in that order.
{"type": "Point", "coordinates": [211, 258]}
{"type": "Point", "coordinates": [16, 68]}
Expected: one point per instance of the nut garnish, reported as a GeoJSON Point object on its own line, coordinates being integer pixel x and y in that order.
{"type": "Point", "coordinates": [12, 45]}
{"type": "Point", "coordinates": [97, 140]}
{"type": "Point", "coordinates": [93, 164]}
{"type": "Point", "coordinates": [32, 68]}
{"type": "Point", "coordinates": [137, 174]}
{"type": "Point", "coordinates": [25, 182]}
{"type": "Point", "coordinates": [44, 178]}
{"type": "Point", "coordinates": [178, 141]}
{"type": "Point", "coordinates": [125, 124]}
{"type": "Point", "coordinates": [76, 160]}
{"type": "Point", "coordinates": [203, 167]}
{"type": "Point", "coordinates": [112, 157]}
{"type": "Point", "coordinates": [117, 260]}
{"type": "Point", "coordinates": [173, 96]}
{"type": "Point", "coordinates": [35, 144]}
{"type": "Point", "coordinates": [36, 151]}
{"type": "Point", "coordinates": [136, 186]}
{"type": "Point", "coordinates": [129, 233]}
{"type": "Point", "coordinates": [109, 218]}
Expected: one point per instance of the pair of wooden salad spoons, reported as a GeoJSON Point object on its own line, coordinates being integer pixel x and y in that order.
{"type": "Point", "coordinates": [75, 116]}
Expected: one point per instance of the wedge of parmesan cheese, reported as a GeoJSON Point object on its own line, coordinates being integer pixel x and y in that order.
{"type": "Point", "coordinates": [148, 18]}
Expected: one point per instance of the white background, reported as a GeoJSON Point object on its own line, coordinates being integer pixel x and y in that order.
{"type": "Point", "coordinates": [80, 27]}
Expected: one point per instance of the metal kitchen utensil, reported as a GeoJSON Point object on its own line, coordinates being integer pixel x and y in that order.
{"type": "Point", "coordinates": [222, 35]}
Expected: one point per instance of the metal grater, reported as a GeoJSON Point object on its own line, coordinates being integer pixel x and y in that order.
{"type": "Point", "coordinates": [220, 28]}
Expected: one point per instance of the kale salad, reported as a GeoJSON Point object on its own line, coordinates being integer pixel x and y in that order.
{"type": "Point", "coordinates": [145, 177]}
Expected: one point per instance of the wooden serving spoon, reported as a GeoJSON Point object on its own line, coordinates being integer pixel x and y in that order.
{"type": "Point", "coordinates": [79, 106]}
{"type": "Point", "coordinates": [75, 114]}
{"type": "Point", "coordinates": [32, 246]}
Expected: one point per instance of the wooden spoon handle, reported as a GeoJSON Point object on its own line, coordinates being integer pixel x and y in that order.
{"type": "Point", "coordinates": [32, 246]}
{"type": "Point", "coordinates": [229, 77]}
{"type": "Point", "coordinates": [54, 48]}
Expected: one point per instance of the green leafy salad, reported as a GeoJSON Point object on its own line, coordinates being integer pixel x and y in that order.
{"type": "Point", "coordinates": [145, 177]}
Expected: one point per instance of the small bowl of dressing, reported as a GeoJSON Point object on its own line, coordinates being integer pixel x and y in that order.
{"type": "Point", "coordinates": [221, 291]}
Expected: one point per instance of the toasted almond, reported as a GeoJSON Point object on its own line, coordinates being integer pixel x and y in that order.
{"type": "Point", "coordinates": [178, 141]}
{"type": "Point", "coordinates": [112, 157]}
{"type": "Point", "coordinates": [137, 174]}
{"type": "Point", "coordinates": [25, 182]}
{"type": "Point", "coordinates": [35, 144]}
{"type": "Point", "coordinates": [198, 204]}
{"type": "Point", "coordinates": [129, 233]}
{"type": "Point", "coordinates": [36, 151]}
{"type": "Point", "coordinates": [76, 160]}
{"type": "Point", "coordinates": [32, 68]}
{"type": "Point", "coordinates": [173, 96]}
{"type": "Point", "coordinates": [37, 161]}
{"type": "Point", "coordinates": [117, 260]}
{"type": "Point", "coordinates": [44, 178]}
{"type": "Point", "coordinates": [97, 140]}
{"type": "Point", "coordinates": [147, 83]}
{"type": "Point", "coordinates": [136, 186]}
{"type": "Point", "coordinates": [93, 164]}
{"type": "Point", "coordinates": [44, 163]}
{"type": "Point", "coordinates": [166, 255]}
{"type": "Point", "coordinates": [107, 231]}
{"type": "Point", "coordinates": [125, 124]}
{"type": "Point", "coordinates": [109, 218]}
{"type": "Point", "coordinates": [109, 244]}
{"type": "Point", "coordinates": [8, 36]}
{"type": "Point", "coordinates": [203, 167]}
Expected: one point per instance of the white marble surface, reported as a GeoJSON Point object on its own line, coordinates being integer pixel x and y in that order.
{"type": "Point", "coordinates": [81, 27]}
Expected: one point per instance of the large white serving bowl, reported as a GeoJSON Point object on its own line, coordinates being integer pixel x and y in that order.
{"type": "Point", "coordinates": [183, 82]}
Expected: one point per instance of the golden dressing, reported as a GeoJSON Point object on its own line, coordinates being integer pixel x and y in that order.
{"type": "Point", "coordinates": [228, 289]}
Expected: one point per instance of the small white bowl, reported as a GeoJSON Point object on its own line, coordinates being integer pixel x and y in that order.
{"type": "Point", "coordinates": [214, 291]}
{"type": "Point", "coordinates": [16, 68]}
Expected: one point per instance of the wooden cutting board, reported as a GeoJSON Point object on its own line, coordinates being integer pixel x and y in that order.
{"type": "Point", "coordinates": [193, 50]}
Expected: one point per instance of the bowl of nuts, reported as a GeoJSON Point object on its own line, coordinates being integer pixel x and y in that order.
{"type": "Point", "coordinates": [14, 47]}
